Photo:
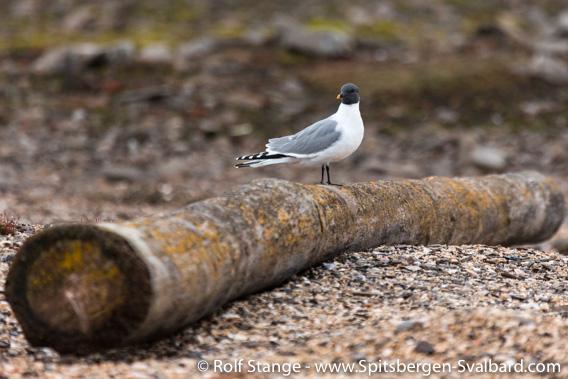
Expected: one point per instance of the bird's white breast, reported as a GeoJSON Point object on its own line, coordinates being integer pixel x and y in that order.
{"type": "Point", "coordinates": [350, 123]}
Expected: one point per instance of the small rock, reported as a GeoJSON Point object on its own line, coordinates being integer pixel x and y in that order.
{"type": "Point", "coordinates": [76, 58]}
{"type": "Point", "coordinates": [322, 43]}
{"type": "Point", "coordinates": [25, 8]}
{"type": "Point", "coordinates": [257, 37]}
{"type": "Point", "coordinates": [153, 93]}
{"type": "Point", "coordinates": [188, 52]}
{"type": "Point", "coordinates": [519, 296]}
{"type": "Point", "coordinates": [13, 352]}
{"type": "Point", "coordinates": [561, 246]}
{"type": "Point", "coordinates": [529, 305]}
{"type": "Point", "coordinates": [366, 293]}
{"type": "Point", "coordinates": [497, 119]}
{"type": "Point", "coordinates": [82, 19]}
{"type": "Point", "coordinates": [447, 115]}
{"type": "Point", "coordinates": [198, 48]}
{"type": "Point", "coordinates": [534, 108]}
{"type": "Point", "coordinates": [488, 158]}
{"type": "Point", "coordinates": [129, 174]}
{"type": "Point", "coordinates": [329, 266]}
{"type": "Point", "coordinates": [424, 347]}
{"type": "Point", "coordinates": [240, 130]}
{"type": "Point", "coordinates": [156, 54]}
{"type": "Point", "coordinates": [120, 52]}
{"type": "Point", "coordinates": [562, 24]}
{"type": "Point", "coordinates": [407, 325]}
{"type": "Point", "coordinates": [546, 67]}
{"type": "Point", "coordinates": [504, 359]}
{"type": "Point", "coordinates": [357, 357]}
{"type": "Point", "coordinates": [412, 268]}
{"type": "Point", "coordinates": [230, 316]}
{"type": "Point", "coordinates": [66, 59]}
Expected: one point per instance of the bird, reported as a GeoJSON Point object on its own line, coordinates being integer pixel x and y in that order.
{"type": "Point", "coordinates": [329, 140]}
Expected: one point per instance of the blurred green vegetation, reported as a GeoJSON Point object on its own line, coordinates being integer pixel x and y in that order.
{"type": "Point", "coordinates": [147, 22]}
{"type": "Point", "coordinates": [172, 21]}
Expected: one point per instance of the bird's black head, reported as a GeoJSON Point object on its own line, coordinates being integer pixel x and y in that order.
{"type": "Point", "coordinates": [349, 94]}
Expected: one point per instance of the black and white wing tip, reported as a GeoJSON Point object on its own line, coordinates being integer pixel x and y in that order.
{"type": "Point", "coordinates": [256, 158]}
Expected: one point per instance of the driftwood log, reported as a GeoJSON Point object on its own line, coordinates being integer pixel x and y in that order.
{"type": "Point", "coordinates": [84, 288]}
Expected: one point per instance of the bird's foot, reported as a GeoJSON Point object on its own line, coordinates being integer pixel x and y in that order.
{"type": "Point", "coordinates": [333, 184]}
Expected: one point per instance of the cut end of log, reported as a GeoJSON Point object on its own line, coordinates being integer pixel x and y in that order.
{"type": "Point", "coordinates": [82, 288]}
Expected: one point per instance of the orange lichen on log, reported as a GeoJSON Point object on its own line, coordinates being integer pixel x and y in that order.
{"type": "Point", "coordinates": [83, 288]}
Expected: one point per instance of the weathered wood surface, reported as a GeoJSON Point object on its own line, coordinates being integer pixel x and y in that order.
{"type": "Point", "coordinates": [84, 288]}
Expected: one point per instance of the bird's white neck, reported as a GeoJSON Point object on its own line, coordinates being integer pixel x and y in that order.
{"type": "Point", "coordinates": [348, 108]}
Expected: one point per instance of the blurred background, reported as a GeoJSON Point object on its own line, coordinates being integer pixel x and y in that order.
{"type": "Point", "coordinates": [115, 109]}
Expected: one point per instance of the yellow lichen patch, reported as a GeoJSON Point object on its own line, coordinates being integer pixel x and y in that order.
{"type": "Point", "coordinates": [204, 249]}
{"type": "Point", "coordinates": [74, 255]}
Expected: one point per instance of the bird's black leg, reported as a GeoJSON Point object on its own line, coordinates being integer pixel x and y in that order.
{"type": "Point", "coordinates": [322, 170]}
{"type": "Point", "coordinates": [328, 178]}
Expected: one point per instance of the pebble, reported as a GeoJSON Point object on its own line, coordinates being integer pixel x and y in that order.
{"type": "Point", "coordinates": [321, 43]}
{"type": "Point", "coordinates": [489, 158]}
{"type": "Point", "coordinates": [357, 357]}
{"type": "Point", "coordinates": [189, 52]}
{"type": "Point", "coordinates": [547, 67]}
{"type": "Point", "coordinates": [424, 347]}
{"type": "Point", "coordinates": [77, 58]}
{"type": "Point", "coordinates": [412, 268]}
{"type": "Point", "coordinates": [329, 266]}
{"type": "Point", "coordinates": [156, 54]}
{"type": "Point", "coordinates": [407, 325]}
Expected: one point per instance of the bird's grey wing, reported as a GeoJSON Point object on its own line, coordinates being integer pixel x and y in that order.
{"type": "Point", "coordinates": [315, 138]}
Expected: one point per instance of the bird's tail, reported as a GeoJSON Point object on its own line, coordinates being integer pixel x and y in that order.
{"type": "Point", "coordinates": [262, 159]}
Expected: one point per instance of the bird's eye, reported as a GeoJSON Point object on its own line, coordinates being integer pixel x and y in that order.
{"type": "Point", "coordinates": [352, 91]}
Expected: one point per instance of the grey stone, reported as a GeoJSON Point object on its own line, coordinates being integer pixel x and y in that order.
{"type": "Point", "coordinates": [544, 66]}
{"type": "Point", "coordinates": [188, 52]}
{"type": "Point", "coordinates": [488, 158]}
{"type": "Point", "coordinates": [424, 347]}
{"type": "Point", "coordinates": [153, 93]}
{"type": "Point", "coordinates": [294, 36]}
{"type": "Point", "coordinates": [75, 58]}
{"type": "Point", "coordinates": [80, 20]}
{"type": "Point", "coordinates": [561, 246]}
{"type": "Point", "coordinates": [66, 58]}
{"type": "Point", "coordinates": [124, 173]}
{"type": "Point", "coordinates": [562, 22]}
{"type": "Point", "coordinates": [158, 53]}
{"type": "Point", "coordinates": [119, 52]}
{"type": "Point", "coordinates": [407, 325]}
{"type": "Point", "coordinates": [199, 47]}
{"type": "Point", "coordinates": [329, 266]}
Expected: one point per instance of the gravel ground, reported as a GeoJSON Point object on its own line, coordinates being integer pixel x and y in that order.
{"type": "Point", "coordinates": [463, 306]}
